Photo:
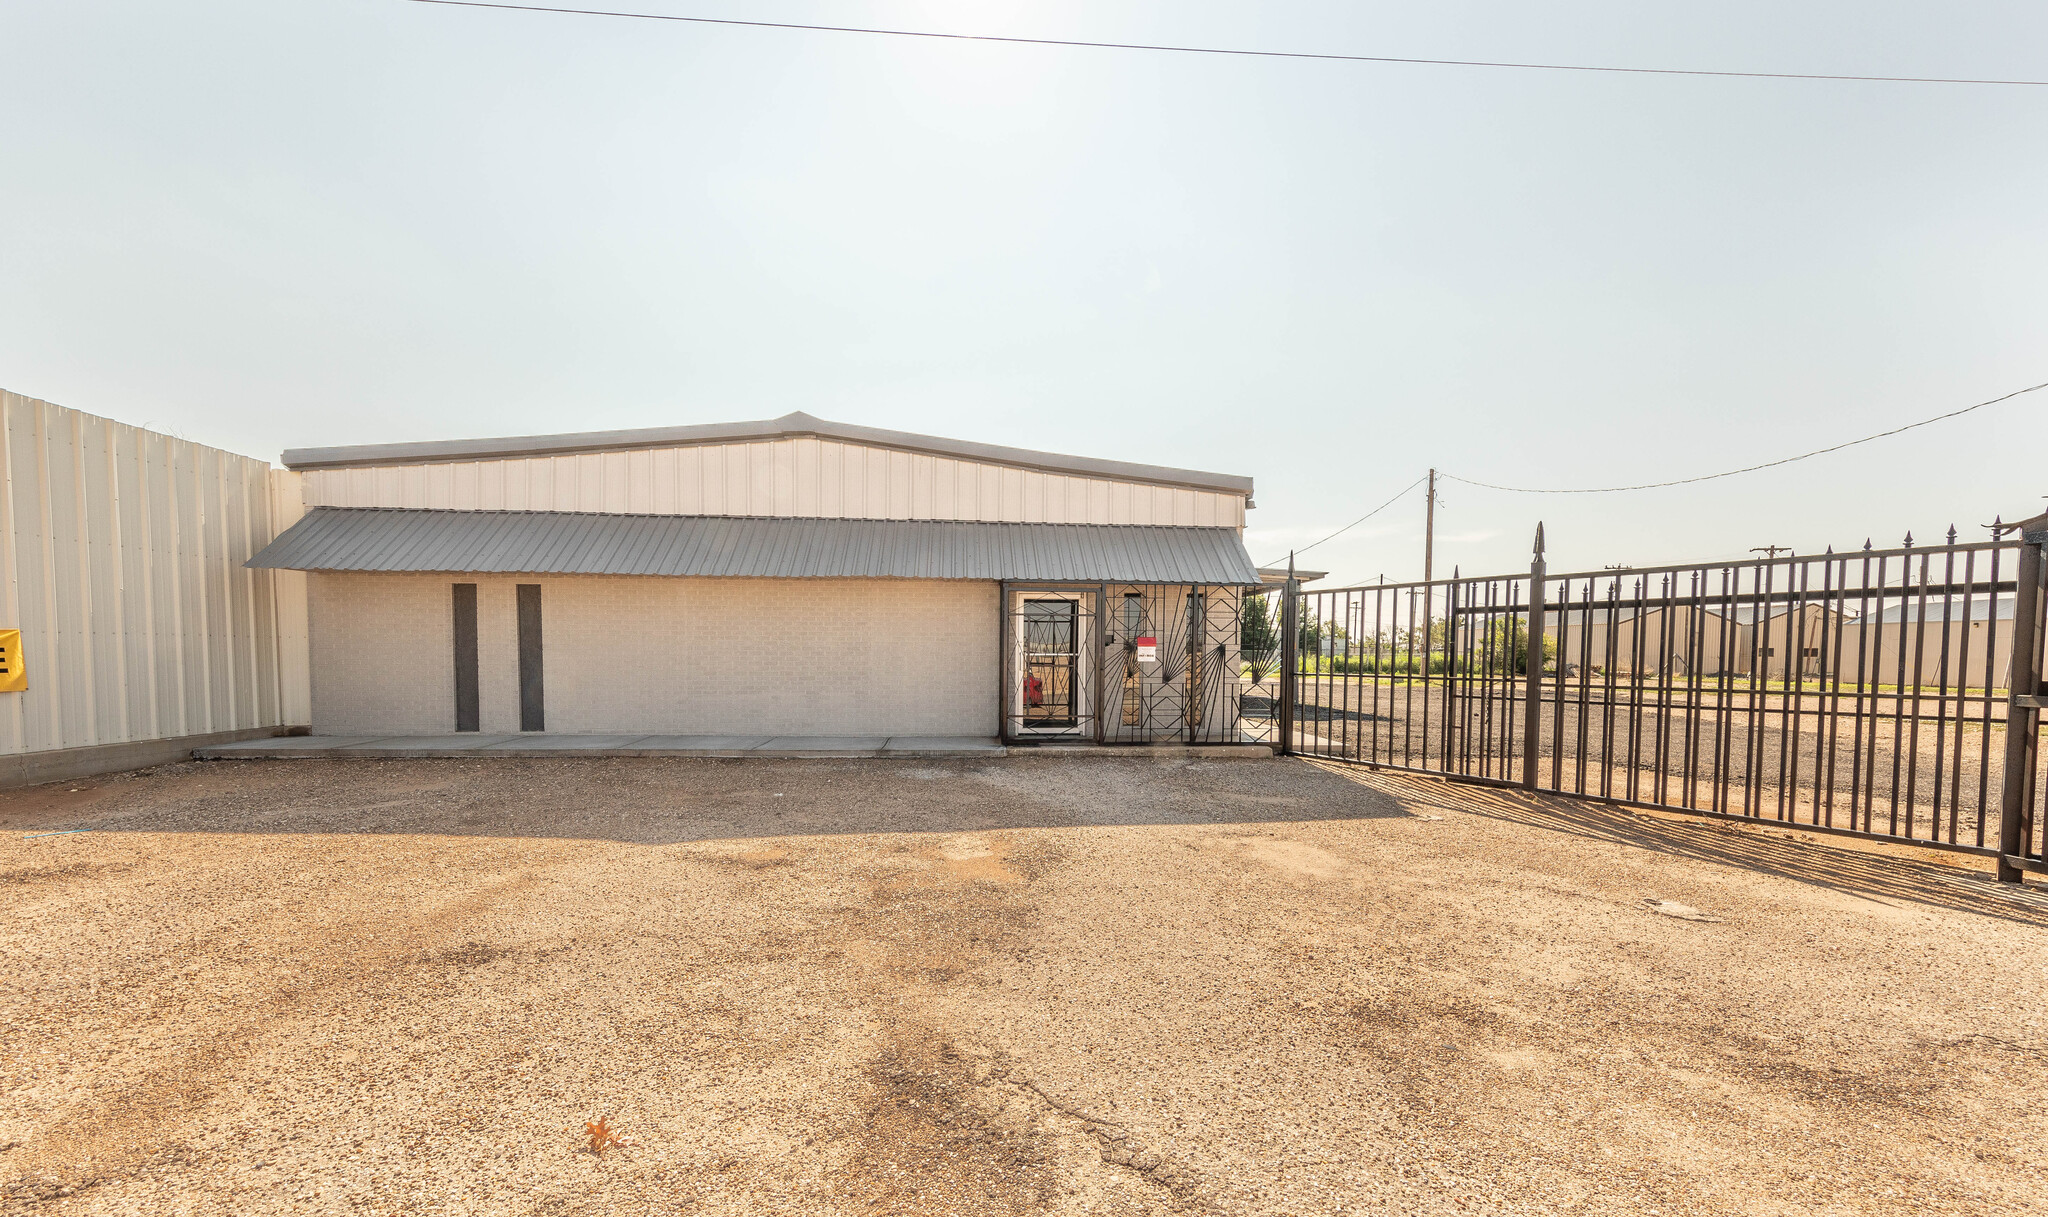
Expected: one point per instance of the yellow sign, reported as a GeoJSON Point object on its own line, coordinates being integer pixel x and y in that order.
{"type": "Point", "coordinates": [13, 678]}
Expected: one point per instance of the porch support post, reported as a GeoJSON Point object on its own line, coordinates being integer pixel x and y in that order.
{"type": "Point", "coordinates": [2022, 709]}
{"type": "Point", "coordinates": [1003, 674]}
{"type": "Point", "coordinates": [1532, 668]}
{"type": "Point", "coordinates": [1095, 648]}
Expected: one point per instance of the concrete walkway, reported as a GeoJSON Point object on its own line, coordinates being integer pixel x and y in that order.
{"type": "Point", "coordinates": [301, 747]}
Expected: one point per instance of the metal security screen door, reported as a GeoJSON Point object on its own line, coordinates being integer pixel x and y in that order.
{"type": "Point", "coordinates": [1049, 687]}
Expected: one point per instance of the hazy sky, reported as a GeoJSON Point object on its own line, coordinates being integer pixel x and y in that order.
{"type": "Point", "coordinates": [263, 225]}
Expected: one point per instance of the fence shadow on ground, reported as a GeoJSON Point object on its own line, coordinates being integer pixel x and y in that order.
{"type": "Point", "coordinates": [1833, 863]}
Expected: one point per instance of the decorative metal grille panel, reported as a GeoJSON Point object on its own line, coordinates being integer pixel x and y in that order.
{"type": "Point", "coordinates": [1153, 663]}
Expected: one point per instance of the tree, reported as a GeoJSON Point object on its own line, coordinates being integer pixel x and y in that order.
{"type": "Point", "coordinates": [1314, 635]}
{"type": "Point", "coordinates": [1258, 638]}
{"type": "Point", "coordinates": [1505, 648]}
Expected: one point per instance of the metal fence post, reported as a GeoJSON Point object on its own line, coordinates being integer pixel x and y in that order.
{"type": "Point", "coordinates": [1450, 669]}
{"type": "Point", "coordinates": [2022, 709]}
{"type": "Point", "coordinates": [1532, 668]}
{"type": "Point", "coordinates": [1290, 619]}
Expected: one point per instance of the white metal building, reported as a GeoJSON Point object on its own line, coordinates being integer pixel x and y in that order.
{"type": "Point", "coordinates": [794, 577]}
{"type": "Point", "coordinates": [130, 629]}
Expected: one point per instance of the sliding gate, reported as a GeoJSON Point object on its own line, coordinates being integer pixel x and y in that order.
{"type": "Point", "coordinates": [1885, 693]}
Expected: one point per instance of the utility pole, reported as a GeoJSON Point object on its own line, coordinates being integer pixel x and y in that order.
{"type": "Point", "coordinates": [1429, 530]}
{"type": "Point", "coordinates": [1428, 560]}
{"type": "Point", "coordinates": [1770, 551]}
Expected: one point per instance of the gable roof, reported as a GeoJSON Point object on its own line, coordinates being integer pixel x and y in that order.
{"type": "Point", "coordinates": [787, 427]}
{"type": "Point", "coordinates": [1950, 609]}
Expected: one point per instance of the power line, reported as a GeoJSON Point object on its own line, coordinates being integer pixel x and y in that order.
{"type": "Point", "coordinates": [1360, 520]}
{"type": "Point", "coordinates": [1705, 477]}
{"type": "Point", "coordinates": [1709, 477]}
{"type": "Point", "coordinates": [1214, 50]}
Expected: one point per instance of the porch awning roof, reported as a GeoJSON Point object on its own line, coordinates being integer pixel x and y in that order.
{"type": "Point", "coordinates": [580, 543]}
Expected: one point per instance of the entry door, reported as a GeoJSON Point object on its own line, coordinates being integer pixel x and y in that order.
{"type": "Point", "coordinates": [1050, 680]}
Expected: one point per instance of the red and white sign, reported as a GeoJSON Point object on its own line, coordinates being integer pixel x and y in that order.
{"type": "Point", "coordinates": [1148, 650]}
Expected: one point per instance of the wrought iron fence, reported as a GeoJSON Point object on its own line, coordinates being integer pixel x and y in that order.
{"type": "Point", "coordinates": [1886, 693]}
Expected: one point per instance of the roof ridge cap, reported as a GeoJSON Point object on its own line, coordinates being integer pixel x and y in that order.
{"type": "Point", "coordinates": [700, 515]}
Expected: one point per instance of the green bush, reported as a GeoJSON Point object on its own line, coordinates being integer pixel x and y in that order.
{"type": "Point", "coordinates": [1387, 664]}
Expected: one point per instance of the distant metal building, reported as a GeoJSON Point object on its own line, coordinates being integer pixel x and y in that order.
{"type": "Point", "coordinates": [793, 577]}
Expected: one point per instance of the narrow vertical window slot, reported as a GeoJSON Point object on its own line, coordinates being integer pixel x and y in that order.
{"type": "Point", "coordinates": [468, 707]}
{"type": "Point", "coordinates": [532, 704]}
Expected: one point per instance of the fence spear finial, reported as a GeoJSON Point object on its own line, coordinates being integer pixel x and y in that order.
{"type": "Point", "coordinates": [1539, 538]}
{"type": "Point", "coordinates": [1909, 539]}
{"type": "Point", "coordinates": [1866, 544]}
{"type": "Point", "coordinates": [1951, 534]}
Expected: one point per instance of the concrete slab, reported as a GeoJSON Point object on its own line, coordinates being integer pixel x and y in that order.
{"type": "Point", "coordinates": [282, 746]}
{"type": "Point", "coordinates": [422, 745]}
{"type": "Point", "coordinates": [610, 745]}
{"type": "Point", "coordinates": [836, 745]}
{"type": "Point", "coordinates": [1157, 752]}
{"type": "Point", "coordinates": [940, 745]}
{"type": "Point", "coordinates": [719, 745]}
{"type": "Point", "coordinates": [466, 745]}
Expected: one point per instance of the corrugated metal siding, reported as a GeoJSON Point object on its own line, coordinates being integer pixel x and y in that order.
{"type": "Point", "coordinates": [1979, 609]}
{"type": "Point", "coordinates": [803, 476]}
{"type": "Point", "coordinates": [294, 649]}
{"type": "Point", "coordinates": [571, 543]}
{"type": "Point", "coordinates": [123, 567]}
{"type": "Point", "coordinates": [794, 425]}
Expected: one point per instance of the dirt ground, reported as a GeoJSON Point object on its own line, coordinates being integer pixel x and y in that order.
{"type": "Point", "coordinates": [1108, 986]}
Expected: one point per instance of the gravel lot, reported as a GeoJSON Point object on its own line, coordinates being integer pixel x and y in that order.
{"type": "Point", "coordinates": [1938, 777]}
{"type": "Point", "coordinates": [1111, 986]}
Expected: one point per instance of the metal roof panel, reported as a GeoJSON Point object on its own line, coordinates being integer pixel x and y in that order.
{"type": "Point", "coordinates": [548, 542]}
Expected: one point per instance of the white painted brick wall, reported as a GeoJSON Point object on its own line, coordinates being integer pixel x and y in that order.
{"type": "Point", "coordinates": [664, 656]}
{"type": "Point", "coordinates": [383, 654]}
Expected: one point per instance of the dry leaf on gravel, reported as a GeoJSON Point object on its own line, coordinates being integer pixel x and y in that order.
{"type": "Point", "coordinates": [601, 1135]}
{"type": "Point", "coordinates": [1672, 908]}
